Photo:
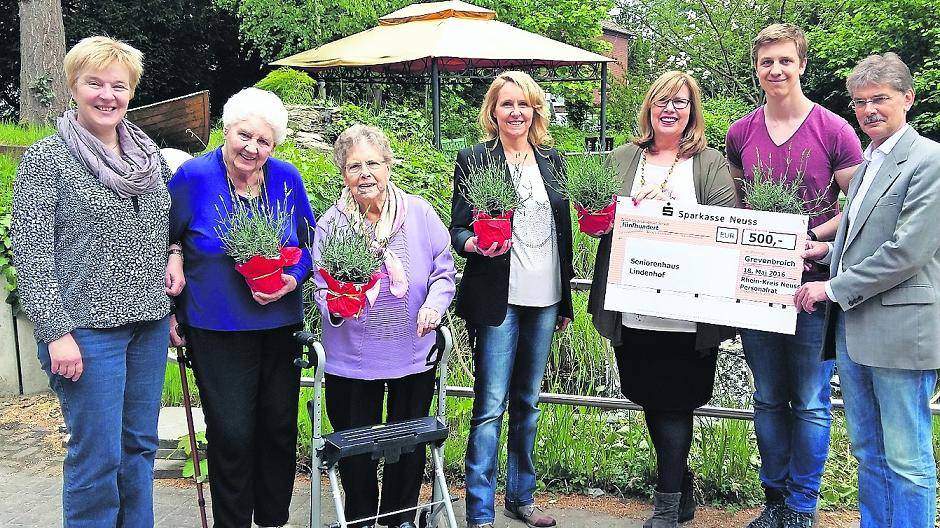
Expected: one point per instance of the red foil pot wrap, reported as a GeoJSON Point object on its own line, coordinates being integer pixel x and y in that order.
{"type": "Point", "coordinates": [346, 299]}
{"type": "Point", "coordinates": [596, 223]}
{"type": "Point", "coordinates": [490, 229]}
{"type": "Point", "coordinates": [263, 274]}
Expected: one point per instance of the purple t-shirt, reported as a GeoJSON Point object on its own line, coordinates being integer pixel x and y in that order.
{"type": "Point", "coordinates": [822, 145]}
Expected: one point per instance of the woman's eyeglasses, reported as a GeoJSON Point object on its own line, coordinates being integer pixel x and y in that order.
{"type": "Point", "coordinates": [357, 168]}
{"type": "Point", "coordinates": [678, 103]}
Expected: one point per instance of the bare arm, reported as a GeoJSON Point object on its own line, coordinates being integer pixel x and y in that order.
{"type": "Point", "coordinates": [827, 230]}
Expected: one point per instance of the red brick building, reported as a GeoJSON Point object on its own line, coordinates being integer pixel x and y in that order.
{"type": "Point", "coordinates": [619, 39]}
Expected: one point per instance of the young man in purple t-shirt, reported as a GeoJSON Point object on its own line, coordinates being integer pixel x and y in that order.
{"type": "Point", "coordinates": [791, 137]}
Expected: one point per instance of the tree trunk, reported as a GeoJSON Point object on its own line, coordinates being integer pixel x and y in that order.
{"type": "Point", "coordinates": [43, 91]}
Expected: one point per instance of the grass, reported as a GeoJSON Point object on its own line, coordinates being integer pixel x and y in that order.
{"type": "Point", "coordinates": [7, 176]}
{"type": "Point", "coordinates": [23, 135]}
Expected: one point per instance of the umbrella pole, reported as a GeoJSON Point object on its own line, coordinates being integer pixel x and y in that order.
{"type": "Point", "coordinates": [603, 139]}
{"type": "Point", "coordinates": [187, 406]}
{"type": "Point", "coordinates": [436, 101]}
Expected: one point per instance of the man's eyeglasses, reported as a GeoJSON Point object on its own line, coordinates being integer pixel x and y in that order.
{"type": "Point", "coordinates": [355, 169]}
{"type": "Point", "coordinates": [878, 100]}
{"type": "Point", "coordinates": [677, 103]}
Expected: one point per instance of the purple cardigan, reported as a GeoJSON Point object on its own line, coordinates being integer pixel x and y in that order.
{"type": "Point", "coordinates": [383, 342]}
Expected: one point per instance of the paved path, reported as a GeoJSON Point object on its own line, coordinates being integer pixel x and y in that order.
{"type": "Point", "coordinates": [31, 489]}
{"type": "Point", "coordinates": [31, 482]}
{"type": "Point", "coordinates": [30, 498]}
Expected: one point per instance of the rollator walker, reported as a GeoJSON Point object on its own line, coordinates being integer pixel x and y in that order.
{"type": "Point", "coordinates": [386, 441]}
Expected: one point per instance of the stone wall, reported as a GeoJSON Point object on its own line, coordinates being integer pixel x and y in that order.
{"type": "Point", "coordinates": [307, 125]}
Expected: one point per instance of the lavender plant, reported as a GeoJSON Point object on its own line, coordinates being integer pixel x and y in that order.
{"type": "Point", "coordinates": [348, 255]}
{"type": "Point", "coordinates": [487, 188]}
{"type": "Point", "coordinates": [767, 192]}
{"type": "Point", "coordinates": [253, 227]}
{"type": "Point", "coordinates": [589, 181]}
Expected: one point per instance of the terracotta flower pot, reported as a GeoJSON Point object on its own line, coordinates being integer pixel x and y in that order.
{"type": "Point", "coordinates": [346, 299]}
{"type": "Point", "coordinates": [263, 274]}
{"type": "Point", "coordinates": [490, 229]}
{"type": "Point", "coordinates": [596, 223]}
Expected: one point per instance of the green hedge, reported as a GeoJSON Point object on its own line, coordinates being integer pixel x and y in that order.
{"type": "Point", "coordinates": [292, 86]}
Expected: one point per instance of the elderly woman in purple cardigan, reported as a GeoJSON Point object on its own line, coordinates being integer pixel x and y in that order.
{"type": "Point", "coordinates": [389, 343]}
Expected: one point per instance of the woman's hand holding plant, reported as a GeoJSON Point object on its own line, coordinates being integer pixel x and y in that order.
{"type": "Point", "coordinates": [494, 250]}
{"type": "Point", "coordinates": [290, 284]}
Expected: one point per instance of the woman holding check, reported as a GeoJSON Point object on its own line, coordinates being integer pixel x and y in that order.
{"type": "Point", "coordinates": [666, 365]}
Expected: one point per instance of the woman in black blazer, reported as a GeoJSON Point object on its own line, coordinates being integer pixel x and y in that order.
{"type": "Point", "coordinates": [513, 296]}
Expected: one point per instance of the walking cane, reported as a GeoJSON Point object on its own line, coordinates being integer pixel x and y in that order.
{"type": "Point", "coordinates": [183, 361]}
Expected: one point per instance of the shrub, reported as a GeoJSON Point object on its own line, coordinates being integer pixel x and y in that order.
{"type": "Point", "coordinates": [292, 86]}
{"type": "Point", "coordinates": [402, 121]}
{"type": "Point", "coordinates": [719, 113]}
{"type": "Point", "coordinates": [567, 139]}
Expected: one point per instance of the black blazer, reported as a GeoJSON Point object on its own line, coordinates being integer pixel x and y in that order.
{"type": "Point", "coordinates": [483, 294]}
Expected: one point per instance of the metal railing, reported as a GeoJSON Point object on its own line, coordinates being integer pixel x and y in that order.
{"type": "Point", "coordinates": [615, 404]}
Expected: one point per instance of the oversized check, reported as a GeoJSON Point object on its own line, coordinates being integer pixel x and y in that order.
{"type": "Point", "coordinates": [682, 260]}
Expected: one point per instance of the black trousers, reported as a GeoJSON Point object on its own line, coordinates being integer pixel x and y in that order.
{"type": "Point", "coordinates": [355, 403]}
{"type": "Point", "coordinates": [249, 387]}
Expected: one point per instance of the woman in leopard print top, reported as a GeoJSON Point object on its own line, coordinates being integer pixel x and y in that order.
{"type": "Point", "coordinates": [90, 232]}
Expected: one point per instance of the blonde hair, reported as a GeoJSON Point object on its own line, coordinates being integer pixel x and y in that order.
{"type": "Point", "coordinates": [668, 85]}
{"type": "Point", "coordinates": [534, 95]}
{"type": "Point", "coordinates": [776, 33]}
{"type": "Point", "coordinates": [98, 53]}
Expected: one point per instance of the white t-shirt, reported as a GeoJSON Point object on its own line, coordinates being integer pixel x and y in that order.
{"type": "Point", "coordinates": [533, 262]}
{"type": "Point", "coordinates": [679, 187]}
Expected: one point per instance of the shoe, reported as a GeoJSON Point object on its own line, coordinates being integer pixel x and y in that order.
{"type": "Point", "coordinates": [531, 515]}
{"type": "Point", "coordinates": [407, 524]}
{"type": "Point", "coordinates": [774, 508]}
{"type": "Point", "coordinates": [795, 519]}
{"type": "Point", "coordinates": [687, 502]}
{"type": "Point", "coordinates": [665, 510]}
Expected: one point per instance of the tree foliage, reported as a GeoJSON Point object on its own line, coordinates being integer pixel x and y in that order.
{"type": "Point", "coordinates": [271, 29]}
{"type": "Point", "coordinates": [188, 45]}
{"type": "Point", "coordinates": [910, 28]}
{"type": "Point", "coordinates": [711, 39]}
{"type": "Point", "coordinates": [9, 59]}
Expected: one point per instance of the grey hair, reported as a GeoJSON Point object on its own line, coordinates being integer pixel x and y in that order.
{"type": "Point", "coordinates": [254, 102]}
{"type": "Point", "coordinates": [885, 70]}
{"type": "Point", "coordinates": [359, 133]}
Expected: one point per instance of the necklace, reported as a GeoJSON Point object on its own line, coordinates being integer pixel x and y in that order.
{"type": "Point", "coordinates": [247, 191]}
{"type": "Point", "coordinates": [662, 186]}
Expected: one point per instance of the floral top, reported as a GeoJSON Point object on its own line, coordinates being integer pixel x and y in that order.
{"type": "Point", "coordinates": [84, 257]}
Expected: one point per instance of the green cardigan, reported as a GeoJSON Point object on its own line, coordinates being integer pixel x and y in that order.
{"type": "Point", "coordinates": [713, 186]}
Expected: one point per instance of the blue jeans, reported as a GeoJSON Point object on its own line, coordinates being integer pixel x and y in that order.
{"type": "Point", "coordinates": [509, 364]}
{"type": "Point", "coordinates": [887, 413]}
{"type": "Point", "coordinates": [111, 413]}
{"type": "Point", "coordinates": [792, 410]}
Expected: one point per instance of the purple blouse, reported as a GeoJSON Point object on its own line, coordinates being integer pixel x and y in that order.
{"type": "Point", "coordinates": [383, 342]}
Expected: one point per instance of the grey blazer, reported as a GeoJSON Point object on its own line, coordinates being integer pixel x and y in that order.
{"type": "Point", "coordinates": [890, 273]}
{"type": "Point", "coordinates": [713, 186]}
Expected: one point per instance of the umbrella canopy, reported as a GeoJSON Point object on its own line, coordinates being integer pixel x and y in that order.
{"type": "Point", "coordinates": [455, 33]}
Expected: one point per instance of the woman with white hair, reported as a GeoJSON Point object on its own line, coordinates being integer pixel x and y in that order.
{"type": "Point", "coordinates": [90, 246]}
{"type": "Point", "coordinates": [240, 342]}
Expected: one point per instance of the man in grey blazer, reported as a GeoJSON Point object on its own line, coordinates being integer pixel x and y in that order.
{"type": "Point", "coordinates": [883, 316]}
